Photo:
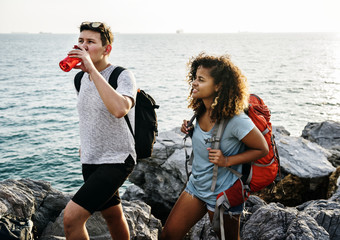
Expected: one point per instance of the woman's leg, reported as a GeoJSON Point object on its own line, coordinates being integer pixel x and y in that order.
{"type": "Point", "coordinates": [231, 226]}
{"type": "Point", "coordinates": [75, 218]}
{"type": "Point", "coordinates": [187, 211]}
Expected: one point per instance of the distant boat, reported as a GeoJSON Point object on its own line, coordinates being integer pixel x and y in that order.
{"type": "Point", "coordinates": [178, 31]}
{"type": "Point", "coordinates": [45, 33]}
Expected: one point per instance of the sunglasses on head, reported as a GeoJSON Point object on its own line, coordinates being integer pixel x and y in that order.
{"type": "Point", "coordinates": [100, 26]}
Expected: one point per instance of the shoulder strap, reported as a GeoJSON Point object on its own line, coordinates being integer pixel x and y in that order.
{"type": "Point", "coordinates": [216, 140]}
{"type": "Point", "coordinates": [77, 80]}
{"type": "Point", "coordinates": [113, 81]}
{"type": "Point", "coordinates": [114, 76]}
{"type": "Point", "coordinates": [190, 123]}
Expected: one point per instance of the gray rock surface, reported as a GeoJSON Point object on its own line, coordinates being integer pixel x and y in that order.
{"type": "Point", "coordinates": [26, 206]}
{"type": "Point", "coordinates": [326, 134]}
{"type": "Point", "coordinates": [162, 177]}
{"type": "Point", "coordinates": [274, 222]}
{"type": "Point", "coordinates": [303, 158]}
{"type": "Point", "coordinates": [30, 209]}
{"type": "Point", "coordinates": [142, 224]}
{"type": "Point", "coordinates": [326, 213]}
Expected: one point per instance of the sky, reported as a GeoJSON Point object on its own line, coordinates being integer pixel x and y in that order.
{"type": "Point", "coordinates": [167, 16]}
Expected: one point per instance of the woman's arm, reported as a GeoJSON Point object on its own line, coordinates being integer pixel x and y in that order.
{"type": "Point", "coordinates": [256, 148]}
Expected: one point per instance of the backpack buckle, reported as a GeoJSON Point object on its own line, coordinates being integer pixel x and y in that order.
{"type": "Point", "coordinates": [212, 139]}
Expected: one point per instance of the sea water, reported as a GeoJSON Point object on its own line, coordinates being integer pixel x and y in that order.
{"type": "Point", "coordinates": [297, 75]}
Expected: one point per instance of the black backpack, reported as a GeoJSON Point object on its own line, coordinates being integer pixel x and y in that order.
{"type": "Point", "coordinates": [145, 116]}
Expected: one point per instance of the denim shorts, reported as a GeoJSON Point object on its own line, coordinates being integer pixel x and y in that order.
{"type": "Point", "coordinates": [231, 211]}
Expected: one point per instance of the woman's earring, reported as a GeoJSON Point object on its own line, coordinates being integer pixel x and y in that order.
{"type": "Point", "coordinates": [213, 105]}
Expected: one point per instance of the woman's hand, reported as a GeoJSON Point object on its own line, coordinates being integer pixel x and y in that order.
{"type": "Point", "coordinates": [184, 128]}
{"type": "Point", "coordinates": [257, 147]}
{"type": "Point", "coordinates": [216, 157]}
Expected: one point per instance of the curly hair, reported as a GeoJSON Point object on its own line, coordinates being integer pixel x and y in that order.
{"type": "Point", "coordinates": [232, 96]}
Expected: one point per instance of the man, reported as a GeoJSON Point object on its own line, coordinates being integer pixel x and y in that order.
{"type": "Point", "coordinates": [107, 145]}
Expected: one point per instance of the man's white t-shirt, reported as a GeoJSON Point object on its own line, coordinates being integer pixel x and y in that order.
{"type": "Point", "coordinates": [103, 137]}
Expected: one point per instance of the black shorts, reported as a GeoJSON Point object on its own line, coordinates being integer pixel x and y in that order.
{"type": "Point", "coordinates": [101, 185]}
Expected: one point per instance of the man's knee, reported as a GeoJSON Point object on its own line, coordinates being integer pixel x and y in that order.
{"type": "Point", "coordinates": [74, 215]}
{"type": "Point", "coordinates": [114, 213]}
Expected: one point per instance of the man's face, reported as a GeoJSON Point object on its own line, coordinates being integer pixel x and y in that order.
{"type": "Point", "coordinates": [92, 43]}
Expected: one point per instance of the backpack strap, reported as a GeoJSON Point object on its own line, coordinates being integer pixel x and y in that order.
{"type": "Point", "coordinates": [216, 141]}
{"type": "Point", "coordinates": [215, 144]}
{"type": "Point", "coordinates": [114, 76]}
{"type": "Point", "coordinates": [113, 81]}
{"type": "Point", "coordinates": [77, 80]}
{"type": "Point", "coordinates": [188, 158]}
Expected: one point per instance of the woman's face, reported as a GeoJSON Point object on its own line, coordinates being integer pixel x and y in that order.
{"type": "Point", "coordinates": [91, 41]}
{"type": "Point", "coordinates": [203, 86]}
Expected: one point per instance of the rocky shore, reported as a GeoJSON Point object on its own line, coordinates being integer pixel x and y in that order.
{"type": "Point", "coordinates": [303, 204]}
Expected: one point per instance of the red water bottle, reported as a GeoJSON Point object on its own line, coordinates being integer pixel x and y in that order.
{"type": "Point", "coordinates": [68, 63]}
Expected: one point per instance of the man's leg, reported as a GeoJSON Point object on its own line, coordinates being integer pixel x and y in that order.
{"type": "Point", "coordinates": [116, 222]}
{"type": "Point", "coordinates": [75, 218]}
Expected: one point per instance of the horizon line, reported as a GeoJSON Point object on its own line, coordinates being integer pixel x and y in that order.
{"type": "Point", "coordinates": [181, 33]}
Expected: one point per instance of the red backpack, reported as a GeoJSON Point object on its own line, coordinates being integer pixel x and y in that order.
{"type": "Point", "coordinates": [257, 174]}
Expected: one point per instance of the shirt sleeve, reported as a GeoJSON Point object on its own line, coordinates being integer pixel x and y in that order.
{"type": "Point", "coordinates": [127, 85]}
{"type": "Point", "coordinates": [241, 125]}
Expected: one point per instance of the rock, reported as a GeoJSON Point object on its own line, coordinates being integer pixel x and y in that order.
{"type": "Point", "coordinates": [334, 182]}
{"type": "Point", "coordinates": [335, 158]}
{"type": "Point", "coordinates": [26, 207]}
{"type": "Point", "coordinates": [305, 170]}
{"type": "Point", "coordinates": [326, 134]}
{"type": "Point", "coordinates": [133, 192]}
{"type": "Point", "coordinates": [326, 213]}
{"type": "Point", "coordinates": [274, 222]}
{"type": "Point", "coordinates": [336, 196]}
{"type": "Point", "coordinates": [96, 227]}
{"type": "Point", "coordinates": [251, 205]}
{"type": "Point", "coordinates": [141, 223]}
{"type": "Point", "coordinates": [303, 158]}
{"type": "Point", "coordinates": [280, 130]}
{"type": "Point", "coordinates": [32, 209]}
{"type": "Point", "coordinates": [202, 230]}
{"type": "Point", "coordinates": [290, 191]}
{"type": "Point", "coordinates": [162, 177]}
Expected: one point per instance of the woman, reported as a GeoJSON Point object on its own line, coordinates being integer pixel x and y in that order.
{"type": "Point", "coordinates": [218, 90]}
{"type": "Point", "coordinates": [107, 145]}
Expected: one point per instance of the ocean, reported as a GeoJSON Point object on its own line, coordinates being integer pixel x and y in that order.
{"type": "Point", "coordinates": [297, 75]}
